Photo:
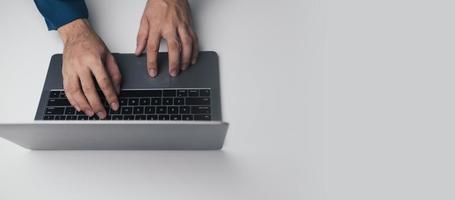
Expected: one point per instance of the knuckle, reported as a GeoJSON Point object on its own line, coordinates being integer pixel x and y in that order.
{"type": "Point", "coordinates": [88, 88]}
{"type": "Point", "coordinates": [152, 47]}
{"type": "Point", "coordinates": [151, 63]}
{"type": "Point", "coordinates": [173, 44]}
{"type": "Point", "coordinates": [84, 105]}
{"type": "Point", "coordinates": [70, 89]}
{"type": "Point", "coordinates": [104, 86]}
{"type": "Point", "coordinates": [187, 40]}
{"type": "Point", "coordinates": [98, 108]}
{"type": "Point", "coordinates": [110, 97]}
{"type": "Point", "coordinates": [117, 78]}
{"type": "Point", "coordinates": [173, 64]}
{"type": "Point", "coordinates": [104, 81]}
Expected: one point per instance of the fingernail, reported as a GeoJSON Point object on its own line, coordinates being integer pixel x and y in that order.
{"type": "Point", "coordinates": [152, 73]}
{"type": "Point", "coordinates": [89, 113]}
{"type": "Point", "coordinates": [114, 106]}
{"type": "Point", "coordinates": [173, 72]}
{"type": "Point", "coordinates": [101, 115]}
{"type": "Point", "coordinates": [193, 62]}
{"type": "Point", "coordinates": [77, 108]}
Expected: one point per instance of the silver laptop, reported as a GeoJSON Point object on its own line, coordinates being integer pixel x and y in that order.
{"type": "Point", "coordinates": [163, 113]}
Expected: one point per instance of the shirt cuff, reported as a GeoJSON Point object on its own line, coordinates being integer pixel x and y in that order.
{"type": "Point", "coordinates": [60, 12]}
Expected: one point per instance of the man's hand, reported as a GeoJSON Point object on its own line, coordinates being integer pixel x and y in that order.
{"type": "Point", "coordinates": [86, 56]}
{"type": "Point", "coordinates": [171, 20]}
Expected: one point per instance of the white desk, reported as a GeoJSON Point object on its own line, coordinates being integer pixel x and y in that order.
{"type": "Point", "coordinates": [327, 99]}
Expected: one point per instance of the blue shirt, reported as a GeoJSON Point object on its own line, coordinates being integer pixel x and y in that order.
{"type": "Point", "coordinates": [57, 13]}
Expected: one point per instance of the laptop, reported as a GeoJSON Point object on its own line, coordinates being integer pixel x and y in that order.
{"type": "Point", "coordinates": [162, 113]}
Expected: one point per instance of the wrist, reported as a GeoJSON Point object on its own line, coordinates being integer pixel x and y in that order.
{"type": "Point", "coordinates": [74, 29]}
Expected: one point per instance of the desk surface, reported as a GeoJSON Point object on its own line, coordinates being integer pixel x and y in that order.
{"type": "Point", "coordinates": [326, 100]}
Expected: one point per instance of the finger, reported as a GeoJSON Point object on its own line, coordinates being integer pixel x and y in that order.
{"type": "Point", "coordinates": [69, 87]}
{"type": "Point", "coordinates": [80, 99]}
{"type": "Point", "coordinates": [142, 36]}
{"type": "Point", "coordinates": [195, 51]}
{"type": "Point", "coordinates": [153, 46]}
{"type": "Point", "coordinates": [187, 45]}
{"type": "Point", "coordinates": [114, 72]}
{"type": "Point", "coordinates": [173, 46]}
{"type": "Point", "coordinates": [88, 86]}
{"type": "Point", "coordinates": [106, 85]}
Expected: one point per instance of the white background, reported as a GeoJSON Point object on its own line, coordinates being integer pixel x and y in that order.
{"type": "Point", "coordinates": [326, 99]}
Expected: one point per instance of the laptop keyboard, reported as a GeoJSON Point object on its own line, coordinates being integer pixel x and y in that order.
{"type": "Point", "coordinates": [155, 104]}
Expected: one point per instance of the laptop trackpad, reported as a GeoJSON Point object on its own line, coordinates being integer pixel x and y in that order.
{"type": "Point", "coordinates": [203, 74]}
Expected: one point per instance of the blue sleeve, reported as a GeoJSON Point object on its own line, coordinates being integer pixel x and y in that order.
{"type": "Point", "coordinates": [60, 12]}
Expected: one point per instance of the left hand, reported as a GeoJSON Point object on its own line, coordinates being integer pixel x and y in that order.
{"type": "Point", "coordinates": [171, 20]}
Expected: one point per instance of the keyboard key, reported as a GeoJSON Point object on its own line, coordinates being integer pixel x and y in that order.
{"type": "Point", "coordinates": [193, 93]}
{"type": "Point", "coordinates": [172, 110]}
{"type": "Point", "coordinates": [187, 117]}
{"type": "Point", "coordinates": [156, 101]}
{"type": "Point", "coordinates": [117, 117]}
{"type": "Point", "coordinates": [144, 101]}
{"type": "Point", "coordinates": [153, 93]}
{"type": "Point", "coordinates": [204, 92]}
{"type": "Point", "coordinates": [80, 113]}
{"type": "Point", "coordinates": [70, 111]}
{"type": "Point", "coordinates": [163, 117]}
{"type": "Point", "coordinates": [127, 110]}
{"type": "Point", "coordinates": [109, 117]}
{"type": "Point", "coordinates": [54, 94]}
{"type": "Point", "coordinates": [184, 110]}
{"type": "Point", "coordinates": [58, 102]}
{"type": "Point", "coordinates": [138, 110]}
{"type": "Point", "coordinates": [113, 112]}
{"type": "Point", "coordinates": [202, 117]}
{"type": "Point", "coordinates": [94, 117]}
{"type": "Point", "coordinates": [59, 117]}
{"type": "Point", "coordinates": [55, 110]}
{"type": "Point", "coordinates": [62, 94]}
{"type": "Point", "coordinates": [71, 117]}
{"type": "Point", "coordinates": [133, 102]}
{"type": "Point", "coordinates": [140, 117]}
{"type": "Point", "coordinates": [141, 93]}
{"type": "Point", "coordinates": [176, 117]}
{"type": "Point", "coordinates": [182, 93]}
{"type": "Point", "coordinates": [179, 101]}
{"type": "Point", "coordinates": [152, 117]}
{"type": "Point", "coordinates": [168, 101]}
{"type": "Point", "coordinates": [170, 93]}
{"type": "Point", "coordinates": [198, 101]}
{"type": "Point", "coordinates": [128, 117]}
{"type": "Point", "coordinates": [149, 110]}
{"type": "Point", "coordinates": [200, 110]}
{"type": "Point", "coordinates": [161, 110]}
{"type": "Point", "coordinates": [123, 102]}
{"type": "Point", "coordinates": [48, 117]}
{"type": "Point", "coordinates": [82, 117]}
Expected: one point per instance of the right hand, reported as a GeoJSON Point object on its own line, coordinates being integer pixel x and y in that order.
{"type": "Point", "coordinates": [86, 56]}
